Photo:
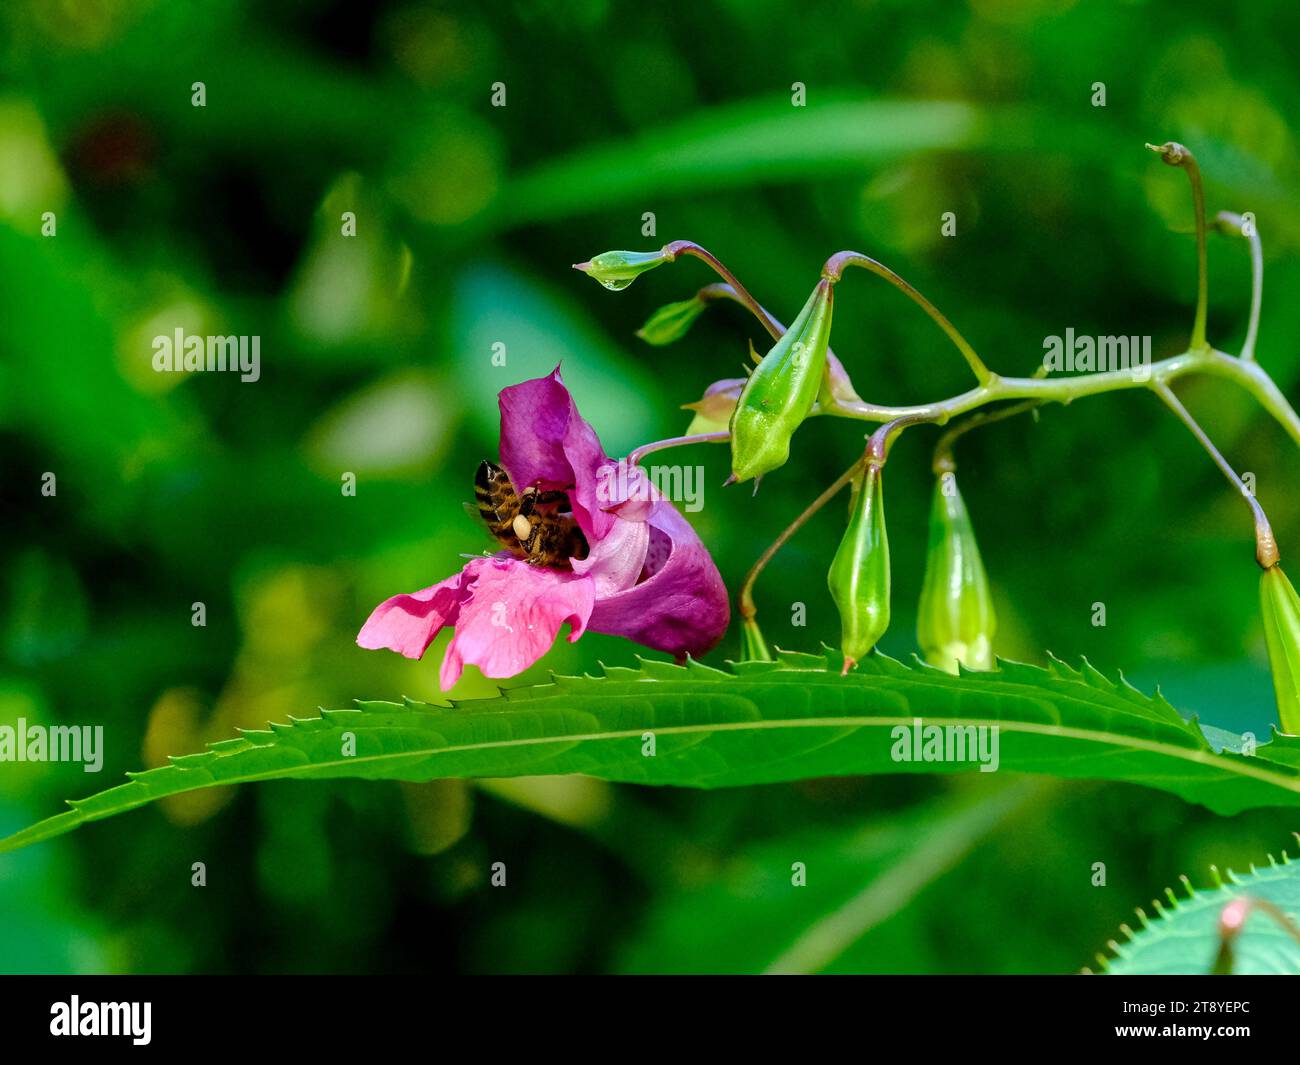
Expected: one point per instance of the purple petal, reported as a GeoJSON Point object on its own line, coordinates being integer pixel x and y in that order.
{"type": "Point", "coordinates": [681, 607]}
{"type": "Point", "coordinates": [544, 440]}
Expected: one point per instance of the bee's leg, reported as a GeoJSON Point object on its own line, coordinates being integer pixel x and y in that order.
{"type": "Point", "coordinates": [527, 501]}
{"type": "Point", "coordinates": [532, 544]}
{"type": "Point", "coordinates": [551, 497]}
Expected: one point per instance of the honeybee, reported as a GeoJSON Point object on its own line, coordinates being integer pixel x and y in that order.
{"type": "Point", "coordinates": [537, 526]}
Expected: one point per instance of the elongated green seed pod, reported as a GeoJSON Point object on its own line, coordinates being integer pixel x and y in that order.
{"type": "Point", "coordinates": [781, 390]}
{"type": "Point", "coordinates": [859, 573]}
{"type": "Point", "coordinates": [1280, 608]}
{"type": "Point", "coordinates": [955, 622]}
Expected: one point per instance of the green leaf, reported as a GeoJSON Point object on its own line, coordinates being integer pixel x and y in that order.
{"type": "Point", "coordinates": [1183, 937]}
{"type": "Point", "coordinates": [743, 144]}
{"type": "Point", "coordinates": [767, 721]}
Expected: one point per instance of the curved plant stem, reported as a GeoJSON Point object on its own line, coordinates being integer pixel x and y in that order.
{"type": "Point", "coordinates": [1200, 358]}
{"type": "Point", "coordinates": [879, 443]}
{"type": "Point", "coordinates": [1175, 154]}
{"type": "Point", "coordinates": [720, 290]}
{"type": "Point", "coordinates": [943, 461]}
{"type": "Point", "coordinates": [746, 597]}
{"type": "Point", "coordinates": [876, 452]}
{"type": "Point", "coordinates": [1266, 553]}
{"type": "Point", "coordinates": [1236, 225]}
{"type": "Point", "coordinates": [993, 387]}
{"type": "Point", "coordinates": [636, 455]}
{"type": "Point", "coordinates": [1248, 375]}
{"type": "Point", "coordinates": [834, 270]}
{"type": "Point", "coordinates": [1256, 293]}
{"type": "Point", "coordinates": [687, 247]}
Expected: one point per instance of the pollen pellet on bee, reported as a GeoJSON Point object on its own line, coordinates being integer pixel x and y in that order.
{"type": "Point", "coordinates": [536, 526]}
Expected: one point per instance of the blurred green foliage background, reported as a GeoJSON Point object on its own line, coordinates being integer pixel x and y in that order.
{"type": "Point", "coordinates": [377, 359]}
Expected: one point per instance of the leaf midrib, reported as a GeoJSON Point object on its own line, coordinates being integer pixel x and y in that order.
{"type": "Point", "coordinates": [1202, 757]}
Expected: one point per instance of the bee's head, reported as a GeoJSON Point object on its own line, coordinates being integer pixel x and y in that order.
{"type": "Point", "coordinates": [487, 473]}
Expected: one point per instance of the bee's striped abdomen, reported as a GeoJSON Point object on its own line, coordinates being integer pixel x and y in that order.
{"type": "Point", "coordinates": [496, 498]}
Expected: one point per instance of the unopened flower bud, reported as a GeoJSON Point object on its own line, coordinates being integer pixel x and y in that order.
{"type": "Point", "coordinates": [956, 621]}
{"type": "Point", "coordinates": [837, 387]}
{"type": "Point", "coordinates": [781, 391]}
{"type": "Point", "coordinates": [618, 269]}
{"type": "Point", "coordinates": [713, 411]}
{"type": "Point", "coordinates": [1280, 608]}
{"type": "Point", "coordinates": [859, 573]}
{"type": "Point", "coordinates": [670, 322]}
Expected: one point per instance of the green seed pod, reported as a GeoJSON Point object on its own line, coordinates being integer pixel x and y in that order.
{"type": "Point", "coordinates": [955, 622]}
{"type": "Point", "coordinates": [781, 391]}
{"type": "Point", "coordinates": [859, 574]}
{"type": "Point", "coordinates": [618, 269]}
{"type": "Point", "coordinates": [670, 322]}
{"type": "Point", "coordinates": [1280, 608]}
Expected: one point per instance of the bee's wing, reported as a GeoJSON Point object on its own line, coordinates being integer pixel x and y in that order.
{"type": "Point", "coordinates": [472, 510]}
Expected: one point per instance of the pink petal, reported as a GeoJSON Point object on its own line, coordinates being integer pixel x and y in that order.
{"type": "Point", "coordinates": [512, 615]}
{"type": "Point", "coordinates": [616, 561]}
{"type": "Point", "coordinates": [407, 624]}
{"type": "Point", "coordinates": [626, 491]}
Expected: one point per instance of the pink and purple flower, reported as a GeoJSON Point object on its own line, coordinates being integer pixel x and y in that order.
{"type": "Point", "coordinates": [647, 575]}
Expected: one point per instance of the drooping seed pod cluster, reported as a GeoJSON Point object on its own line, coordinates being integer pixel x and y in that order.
{"type": "Point", "coordinates": [800, 375]}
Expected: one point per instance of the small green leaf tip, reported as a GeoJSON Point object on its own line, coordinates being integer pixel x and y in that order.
{"type": "Point", "coordinates": [859, 573]}
{"type": "Point", "coordinates": [618, 269]}
{"type": "Point", "coordinates": [671, 322]}
{"type": "Point", "coordinates": [1280, 609]}
{"type": "Point", "coordinates": [781, 392]}
{"type": "Point", "coordinates": [955, 622]}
